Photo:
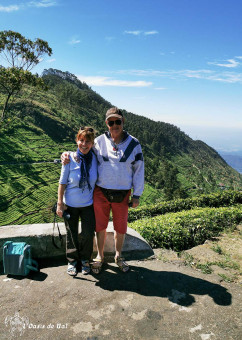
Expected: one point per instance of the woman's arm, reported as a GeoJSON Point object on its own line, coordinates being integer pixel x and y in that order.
{"type": "Point", "coordinates": [60, 205]}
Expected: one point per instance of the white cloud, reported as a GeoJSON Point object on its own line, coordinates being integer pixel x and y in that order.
{"type": "Point", "coordinates": [107, 81]}
{"type": "Point", "coordinates": [109, 38]}
{"type": "Point", "coordinates": [151, 32]}
{"type": "Point", "coordinates": [50, 60]}
{"type": "Point", "coordinates": [36, 3]}
{"type": "Point", "coordinates": [148, 72]}
{"type": "Point", "coordinates": [160, 88]}
{"type": "Point", "coordinates": [163, 53]}
{"type": "Point", "coordinates": [133, 32]}
{"type": "Point", "coordinates": [230, 63]}
{"type": "Point", "coordinates": [10, 8]}
{"type": "Point", "coordinates": [226, 77]}
{"type": "Point", "coordinates": [42, 3]}
{"type": "Point", "coordinates": [198, 74]}
{"type": "Point", "coordinates": [139, 32]}
{"type": "Point", "coordinates": [74, 41]}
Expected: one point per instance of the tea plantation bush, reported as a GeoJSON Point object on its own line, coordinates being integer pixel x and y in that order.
{"type": "Point", "coordinates": [186, 229]}
{"type": "Point", "coordinates": [27, 193]}
{"type": "Point", "coordinates": [221, 199]}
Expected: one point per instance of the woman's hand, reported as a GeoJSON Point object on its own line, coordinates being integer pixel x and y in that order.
{"type": "Point", "coordinates": [60, 209]}
{"type": "Point", "coordinates": [65, 158]}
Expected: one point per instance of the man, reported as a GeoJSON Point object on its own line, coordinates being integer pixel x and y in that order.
{"type": "Point", "coordinates": [120, 169]}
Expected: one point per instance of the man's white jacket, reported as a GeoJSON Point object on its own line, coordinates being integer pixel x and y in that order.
{"type": "Point", "coordinates": [120, 166]}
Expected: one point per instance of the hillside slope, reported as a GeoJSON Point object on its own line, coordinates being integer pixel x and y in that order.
{"type": "Point", "coordinates": [41, 125]}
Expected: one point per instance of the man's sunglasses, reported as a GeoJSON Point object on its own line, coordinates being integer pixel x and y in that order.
{"type": "Point", "coordinates": [86, 128]}
{"type": "Point", "coordinates": [117, 122]}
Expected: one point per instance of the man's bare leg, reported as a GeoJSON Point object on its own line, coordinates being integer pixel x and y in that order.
{"type": "Point", "coordinates": [118, 241]}
{"type": "Point", "coordinates": [101, 237]}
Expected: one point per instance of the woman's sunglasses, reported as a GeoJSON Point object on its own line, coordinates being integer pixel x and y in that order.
{"type": "Point", "coordinates": [86, 128]}
{"type": "Point", "coordinates": [117, 122]}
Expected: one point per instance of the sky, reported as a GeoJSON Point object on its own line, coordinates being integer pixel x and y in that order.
{"type": "Point", "coordinates": [175, 61]}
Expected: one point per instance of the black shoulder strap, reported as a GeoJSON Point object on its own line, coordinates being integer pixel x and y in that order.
{"type": "Point", "coordinates": [60, 236]}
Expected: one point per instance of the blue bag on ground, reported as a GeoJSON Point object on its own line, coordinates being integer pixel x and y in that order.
{"type": "Point", "coordinates": [17, 259]}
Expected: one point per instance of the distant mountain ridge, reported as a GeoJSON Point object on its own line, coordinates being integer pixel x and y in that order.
{"type": "Point", "coordinates": [43, 124]}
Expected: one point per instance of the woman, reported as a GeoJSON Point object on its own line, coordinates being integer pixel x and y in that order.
{"type": "Point", "coordinates": [75, 195]}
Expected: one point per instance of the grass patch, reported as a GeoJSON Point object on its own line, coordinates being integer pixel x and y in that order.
{"type": "Point", "coordinates": [188, 259]}
{"type": "Point", "coordinates": [205, 268]}
{"type": "Point", "coordinates": [217, 249]}
{"type": "Point", "coordinates": [227, 278]}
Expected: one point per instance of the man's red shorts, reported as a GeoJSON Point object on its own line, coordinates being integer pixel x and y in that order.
{"type": "Point", "coordinates": [102, 209]}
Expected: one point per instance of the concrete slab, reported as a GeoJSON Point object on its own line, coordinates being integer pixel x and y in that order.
{"type": "Point", "coordinates": [39, 236]}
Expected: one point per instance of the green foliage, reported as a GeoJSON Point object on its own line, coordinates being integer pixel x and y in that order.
{"type": "Point", "coordinates": [21, 55]}
{"type": "Point", "coordinates": [226, 278]}
{"type": "Point", "coordinates": [205, 268]}
{"type": "Point", "coordinates": [220, 199]}
{"type": "Point", "coordinates": [29, 193]}
{"type": "Point", "coordinates": [20, 52]}
{"type": "Point", "coordinates": [186, 229]}
{"type": "Point", "coordinates": [217, 249]}
{"type": "Point", "coordinates": [150, 195]}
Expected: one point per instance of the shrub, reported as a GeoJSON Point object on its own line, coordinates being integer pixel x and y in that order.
{"type": "Point", "coordinates": [186, 229]}
{"type": "Point", "coordinates": [224, 198]}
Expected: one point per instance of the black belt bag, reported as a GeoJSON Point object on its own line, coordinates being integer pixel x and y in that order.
{"type": "Point", "coordinates": [114, 196]}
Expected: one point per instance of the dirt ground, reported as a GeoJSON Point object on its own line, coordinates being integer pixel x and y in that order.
{"type": "Point", "coordinates": [221, 256]}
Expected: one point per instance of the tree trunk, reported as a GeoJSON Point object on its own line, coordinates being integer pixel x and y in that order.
{"type": "Point", "coordinates": [5, 106]}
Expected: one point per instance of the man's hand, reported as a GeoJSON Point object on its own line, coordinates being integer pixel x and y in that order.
{"type": "Point", "coordinates": [135, 202]}
{"type": "Point", "coordinates": [65, 158]}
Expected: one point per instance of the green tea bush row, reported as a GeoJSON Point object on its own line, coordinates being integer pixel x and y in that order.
{"type": "Point", "coordinates": [221, 199]}
{"type": "Point", "coordinates": [32, 206]}
{"type": "Point", "coordinates": [186, 229]}
{"type": "Point", "coordinates": [28, 196]}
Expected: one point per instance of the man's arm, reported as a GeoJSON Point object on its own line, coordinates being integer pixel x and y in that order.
{"type": "Point", "coordinates": [138, 177]}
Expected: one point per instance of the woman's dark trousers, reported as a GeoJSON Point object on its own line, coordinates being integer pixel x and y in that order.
{"type": "Point", "coordinates": [79, 248]}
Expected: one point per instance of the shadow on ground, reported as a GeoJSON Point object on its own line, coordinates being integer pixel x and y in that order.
{"type": "Point", "coordinates": [179, 287]}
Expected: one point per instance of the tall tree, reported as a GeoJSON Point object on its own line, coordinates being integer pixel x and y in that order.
{"type": "Point", "coordinates": [172, 186]}
{"type": "Point", "coordinates": [21, 55]}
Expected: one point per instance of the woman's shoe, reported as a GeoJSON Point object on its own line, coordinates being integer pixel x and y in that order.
{"type": "Point", "coordinates": [71, 269]}
{"type": "Point", "coordinates": [85, 267]}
